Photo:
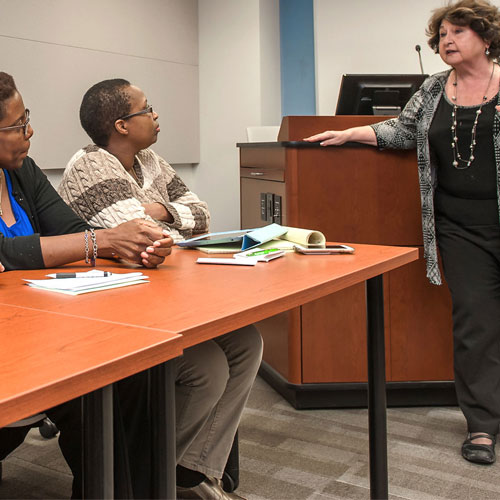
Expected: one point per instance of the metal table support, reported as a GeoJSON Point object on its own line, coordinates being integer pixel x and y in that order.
{"type": "Point", "coordinates": [99, 464]}
{"type": "Point", "coordinates": [377, 418]}
{"type": "Point", "coordinates": [163, 430]}
{"type": "Point", "coordinates": [98, 440]}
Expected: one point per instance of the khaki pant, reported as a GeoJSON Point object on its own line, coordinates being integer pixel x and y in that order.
{"type": "Point", "coordinates": [213, 383]}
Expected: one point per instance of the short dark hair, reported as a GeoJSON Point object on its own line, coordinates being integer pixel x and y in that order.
{"type": "Point", "coordinates": [101, 106]}
{"type": "Point", "coordinates": [479, 15]}
{"type": "Point", "coordinates": [7, 90]}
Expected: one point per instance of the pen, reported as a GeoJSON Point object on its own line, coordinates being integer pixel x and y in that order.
{"type": "Point", "coordinates": [83, 275]}
{"type": "Point", "coordinates": [262, 252]}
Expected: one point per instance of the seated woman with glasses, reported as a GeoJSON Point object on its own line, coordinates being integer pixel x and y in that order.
{"type": "Point", "coordinates": [38, 230]}
{"type": "Point", "coordinates": [118, 178]}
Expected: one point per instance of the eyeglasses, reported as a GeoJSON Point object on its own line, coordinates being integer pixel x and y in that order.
{"type": "Point", "coordinates": [144, 111]}
{"type": "Point", "coordinates": [24, 126]}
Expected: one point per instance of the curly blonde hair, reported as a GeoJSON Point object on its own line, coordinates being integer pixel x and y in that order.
{"type": "Point", "coordinates": [479, 15]}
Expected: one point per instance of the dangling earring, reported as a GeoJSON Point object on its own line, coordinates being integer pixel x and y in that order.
{"type": "Point", "coordinates": [487, 51]}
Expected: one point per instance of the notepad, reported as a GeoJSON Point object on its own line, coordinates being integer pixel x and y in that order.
{"type": "Point", "coordinates": [77, 286]}
{"type": "Point", "coordinates": [308, 238]}
{"type": "Point", "coordinates": [304, 237]}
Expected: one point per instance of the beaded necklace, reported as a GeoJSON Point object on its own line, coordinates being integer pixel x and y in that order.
{"type": "Point", "coordinates": [458, 162]}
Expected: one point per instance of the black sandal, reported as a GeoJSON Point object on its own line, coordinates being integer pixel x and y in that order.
{"type": "Point", "coordinates": [479, 453]}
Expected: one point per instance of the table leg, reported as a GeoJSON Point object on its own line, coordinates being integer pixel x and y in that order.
{"type": "Point", "coordinates": [377, 417]}
{"type": "Point", "coordinates": [98, 444]}
{"type": "Point", "coordinates": [163, 430]}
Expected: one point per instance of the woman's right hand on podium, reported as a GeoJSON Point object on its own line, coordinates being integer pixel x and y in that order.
{"type": "Point", "coordinates": [364, 134]}
{"type": "Point", "coordinates": [330, 137]}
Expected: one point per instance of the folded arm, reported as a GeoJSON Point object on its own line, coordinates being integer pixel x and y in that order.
{"type": "Point", "coordinates": [188, 212]}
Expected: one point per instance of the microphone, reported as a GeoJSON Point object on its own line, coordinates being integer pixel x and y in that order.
{"type": "Point", "coordinates": [418, 49]}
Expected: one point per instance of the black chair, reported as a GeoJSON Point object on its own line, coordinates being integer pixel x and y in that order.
{"type": "Point", "coordinates": [47, 429]}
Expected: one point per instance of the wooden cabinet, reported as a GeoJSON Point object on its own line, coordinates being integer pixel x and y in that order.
{"type": "Point", "coordinates": [353, 194]}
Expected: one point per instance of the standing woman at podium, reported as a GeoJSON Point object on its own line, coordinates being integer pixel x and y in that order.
{"type": "Point", "coordinates": [453, 121]}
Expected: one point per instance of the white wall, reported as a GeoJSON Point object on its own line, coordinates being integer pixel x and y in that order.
{"type": "Point", "coordinates": [363, 36]}
{"type": "Point", "coordinates": [239, 87]}
{"type": "Point", "coordinates": [270, 85]}
{"type": "Point", "coordinates": [57, 49]}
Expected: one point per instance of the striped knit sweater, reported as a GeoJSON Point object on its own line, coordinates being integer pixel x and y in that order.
{"type": "Point", "coordinates": [99, 189]}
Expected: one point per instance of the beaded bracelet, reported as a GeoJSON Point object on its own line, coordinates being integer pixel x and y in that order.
{"type": "Point", "coordinates": [88, 259]}
{"type": "Point", "coordinates": [94, 247]}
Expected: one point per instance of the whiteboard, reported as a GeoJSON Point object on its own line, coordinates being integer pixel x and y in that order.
{"type": "Point", "coordinates": [57, 49]}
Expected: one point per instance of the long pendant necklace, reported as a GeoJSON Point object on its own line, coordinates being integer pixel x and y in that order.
{"type": "Point", "coordinates": [458, 162]}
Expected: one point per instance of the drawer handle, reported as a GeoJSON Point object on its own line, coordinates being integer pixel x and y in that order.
{"type": "Point", "coordinates": [255, 174]}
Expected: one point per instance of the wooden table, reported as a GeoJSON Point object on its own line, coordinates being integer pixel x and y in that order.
{"type": "Point", "coordinates": [48, 358]}
{"type": "Point", "coordinates": [201, 302]}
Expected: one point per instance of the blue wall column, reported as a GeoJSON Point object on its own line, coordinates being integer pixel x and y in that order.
{"type": "Point", "coordinates": [298, 82]}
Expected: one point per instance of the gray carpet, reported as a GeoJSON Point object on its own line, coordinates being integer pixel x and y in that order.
{"type": "Point", "coordinates": [287, 454]}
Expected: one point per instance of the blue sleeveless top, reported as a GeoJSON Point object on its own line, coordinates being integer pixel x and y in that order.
{"type": "Point", "coordinates": [22, 226]}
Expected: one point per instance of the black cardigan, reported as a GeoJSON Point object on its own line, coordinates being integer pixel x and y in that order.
{"type": "Point", "coordinates": [47, 212]}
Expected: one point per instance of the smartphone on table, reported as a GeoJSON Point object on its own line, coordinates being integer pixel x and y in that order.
{"type": "Point", "coordinates": [329, 249]}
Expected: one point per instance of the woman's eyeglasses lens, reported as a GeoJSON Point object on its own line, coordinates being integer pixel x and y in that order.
{"type": "Point", "coordinates": [26, 123]}
{"type": "Point", "coordinates": [23, 127]}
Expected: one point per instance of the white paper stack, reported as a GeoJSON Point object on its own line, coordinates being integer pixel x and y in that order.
{"type": "Point", "coordinates": [88, 283]}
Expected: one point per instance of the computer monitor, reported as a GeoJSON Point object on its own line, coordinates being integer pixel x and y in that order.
{"type": "Point", "coordinates": [376, 94]}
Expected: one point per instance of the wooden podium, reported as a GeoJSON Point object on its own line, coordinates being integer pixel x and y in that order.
{"type": "Point", "coordinates": [353, 194]}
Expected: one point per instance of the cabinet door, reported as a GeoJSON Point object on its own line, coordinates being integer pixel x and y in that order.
{"type": "Point", "coordinates": [334, 337]}
{"type": "Point", "coordinates": [421, 326]}
{"type": "Point", "coordinates": [251, 191]}
{"type": "Point", "coordinates": [282, 344]}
